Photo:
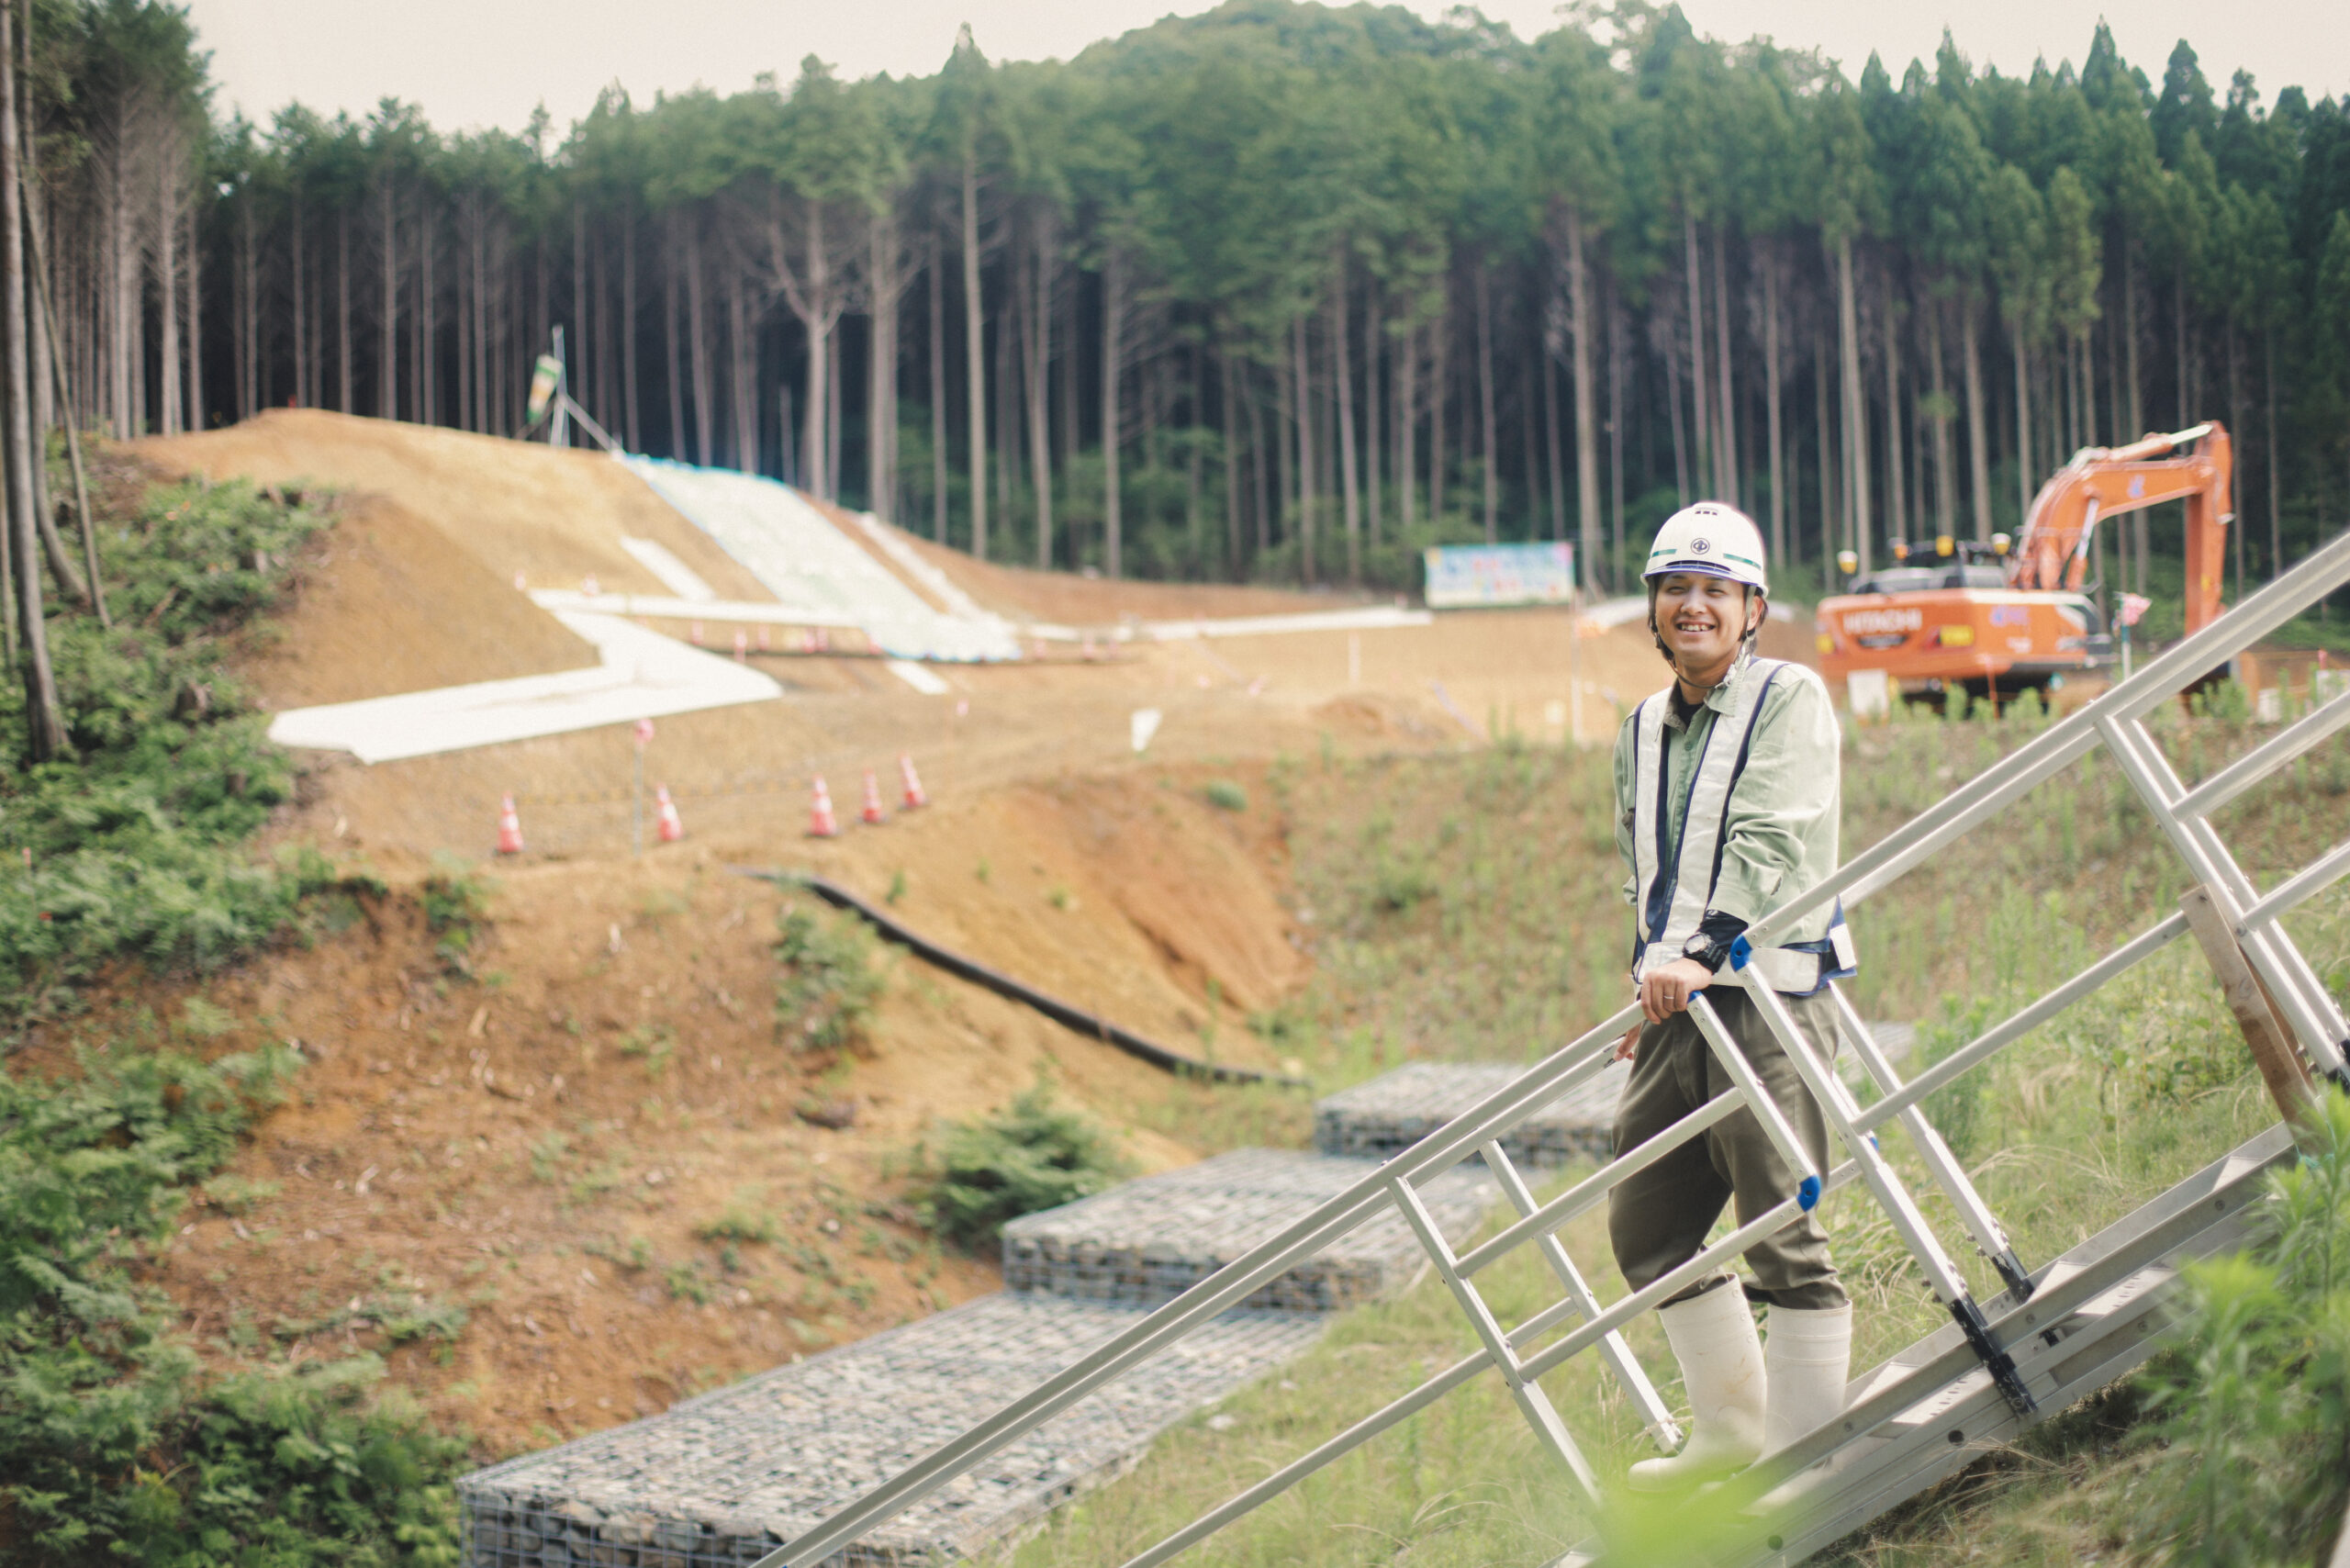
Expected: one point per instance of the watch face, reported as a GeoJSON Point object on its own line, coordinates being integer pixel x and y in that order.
{"type": "Point", "coordinates": [1696, 947]}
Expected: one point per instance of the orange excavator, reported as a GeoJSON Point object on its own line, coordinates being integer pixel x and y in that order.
{"type": "Point", "coordinates": [2000, 619]}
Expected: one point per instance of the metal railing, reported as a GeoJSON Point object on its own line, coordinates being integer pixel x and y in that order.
{"type": "Point", "coordinates": [2115, 719]}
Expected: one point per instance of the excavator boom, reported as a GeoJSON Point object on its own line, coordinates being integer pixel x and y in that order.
{"type": "Point", "coordinates": [2103, 481]}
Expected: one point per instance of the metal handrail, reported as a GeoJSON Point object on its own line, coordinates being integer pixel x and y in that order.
{"type": "Point", "coordinates": [2111, 720]}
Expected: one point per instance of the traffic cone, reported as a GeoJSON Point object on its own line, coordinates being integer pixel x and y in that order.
{"type": "Point", "coordinates": [588, 586]}
{"type": "Point", "coordinates": [763, 639]}
{"type": "Point", "coordinates": [819, 814]}
{"type": "Point", "coordinates": [915, 799]}
{"type": "Point", "coordinates": [872, 813]}
{"type": "Point", "coordinates": [696, 633]}
{"type": "Point", "coordinates": [510, 828]}
{"type": "Point", "coordinates": [671, 828]}
{"type": "Point", "coordinates": [742, 645]}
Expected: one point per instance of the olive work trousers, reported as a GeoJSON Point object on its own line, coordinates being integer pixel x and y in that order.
{"type": "Point", "coordinates": [1659, 1217]}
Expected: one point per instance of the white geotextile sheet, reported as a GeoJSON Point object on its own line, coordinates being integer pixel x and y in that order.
{"type": "Point", "coordinates": [640, 675]}
{"type": "Point", "coordinates": [809, 564]}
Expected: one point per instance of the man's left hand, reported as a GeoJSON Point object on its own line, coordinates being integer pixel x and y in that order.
{"type": "Point", "coordinates": [1666, 990]}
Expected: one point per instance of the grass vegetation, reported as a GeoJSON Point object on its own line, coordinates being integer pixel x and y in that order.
{"type": "Point", "coordinates": [827, 985]}
{"type": "Point", "coordinates": [1469, 906]}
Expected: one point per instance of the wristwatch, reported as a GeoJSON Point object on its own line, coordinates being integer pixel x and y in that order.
{"type": "Point", "coordinates": [1705, 950]}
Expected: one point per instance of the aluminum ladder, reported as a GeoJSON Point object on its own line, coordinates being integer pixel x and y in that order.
{"type": "Point", "coordinates": [2050, 1335]}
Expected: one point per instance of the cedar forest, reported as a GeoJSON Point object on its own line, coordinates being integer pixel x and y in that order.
{"type": "Point", "coordinates": [1278, 291]}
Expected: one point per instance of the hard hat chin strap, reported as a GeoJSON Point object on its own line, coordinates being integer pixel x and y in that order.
{"type": "Point", "coordinates": [1757, 599]}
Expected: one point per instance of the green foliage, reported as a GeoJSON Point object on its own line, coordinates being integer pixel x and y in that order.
{"type": "Point", "coordinates": [457, 905]}
{"type": "Point", "coordinates": [114, 1444]}
{"type": "Point", "coordinates": [2253, 1411]}
{"type": "Point", "coordinates": [1026, 1157]}
{"type": "Point", "coordinates": [134, 847]}
{"type": "Point", "coordinates": [828, 988]}
{"type": "Point", "coordinates": [1226, 795]}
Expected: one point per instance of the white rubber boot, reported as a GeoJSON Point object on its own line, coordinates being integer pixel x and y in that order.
{"type": "Point", "coordinates": [1721, 1368]}
{"type": "Point", "coordinates": [1808, 1358]}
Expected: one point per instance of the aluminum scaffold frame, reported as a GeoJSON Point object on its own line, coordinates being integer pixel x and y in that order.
{"type": "Point", "coordinates": [2083, 1315]}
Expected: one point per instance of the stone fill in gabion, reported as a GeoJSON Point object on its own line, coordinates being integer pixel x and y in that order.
{"type": "Point", "coordinates": [1151, 1239]}
{"type": "Point", "coordinates": [1381, 1118]}
{"type": "Point", "coordinates": [726, 1478]}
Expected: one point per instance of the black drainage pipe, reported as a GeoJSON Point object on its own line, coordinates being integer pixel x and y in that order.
{"type": "Point", "coordinates": [1052, 1007]}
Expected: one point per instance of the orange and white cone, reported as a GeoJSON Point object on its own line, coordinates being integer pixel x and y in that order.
{"type": "Point", "coordinates": [872, 813]}
{"type": "Point", "coordinates": [696, 633]}
{"type": "Point", "coordinates": [671, 828]}
{"type": "Point", "coordinates": [915, 799]}
{"type": "Point", "coordinates": [509, 828]}
{"type": "Point", "coordinates": [742, 645]}
{"type": "Point", "coordinates": [819, 814]}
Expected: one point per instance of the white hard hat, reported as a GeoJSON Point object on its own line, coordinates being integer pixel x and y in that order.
{"type": "Point", "coordinates": [1712, 539]}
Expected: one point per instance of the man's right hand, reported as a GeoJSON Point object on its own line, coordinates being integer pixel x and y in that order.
{"type": "Point", "coordinates": [1630, 1043]}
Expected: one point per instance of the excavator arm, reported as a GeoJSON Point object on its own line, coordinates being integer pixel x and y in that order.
{"type": "Point", "coordinates": [2102, 482]}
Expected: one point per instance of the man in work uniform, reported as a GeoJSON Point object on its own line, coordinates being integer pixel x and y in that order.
{"type": "Point", "coordinates": [1726, 807]}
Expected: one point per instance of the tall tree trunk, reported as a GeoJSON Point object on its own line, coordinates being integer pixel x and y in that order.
{"type": "Point", "coordinates": [2023, 427]}
{"type": "Point", "coordinates": [670, 265]}
{"type": "Point", "coordinates": [342, 308]}
{"type": "Point", "coordinates": [1978, 425]}
{"type": "Point", "coordinates": [1374, 501]}
{"type": "Point", "coordinates": [833, 424]}
{"type": "Point", "coordinates": [1307, 499]}
{"type": "Point", "coordinates": [1114, 331]}
{"type": "Point", "coordinates": [1231, 410]}
{"type": "Point", "coordinates": [1342, 400]}
{"type": "Point", "coordinates": [578, 372]}
{"type": "Point", "coordinates": [743, 389]}
{"type": "Point", "coordinates": [1830, 531]}
{"type": "Point", "coordinates": [1407, 422]}
{"type": "Point", "coordinates": [1896, 465]}
{"type": "Point", "coordinates": [1440, 331]}
{"type": "Point", "coordinates": [1701, 424]}
{"type": "Point", "coordinates": [305, 339]}
{"type": "Point", "coordinates": [1725, 445]}
{"type": "Point", "coordinates": [975, 347]}
{"type": "Point", "coordinates": [936, 387]}
{"type": "Point", "coordinates": [44, 715]}
{"type": "Point", "coordinates": [1856, 437]}
{"type": "Point", "coordinates": [1553, 448]}
{"type": "Point", "coordinates": [195, 324]}
{"type": "Point", "coordinates": [697, 351]}
{"type": "Point", "coordinates": [1579, 329]}
{"type": "Point", "coordinates": [1682, 464]}
{"type": "Point", "coordinates": [1041, 265]}
{"type": "Point", "coordinates": [1945, 461]}
{"type": "Point", "coordinates": [1485, 398]}
{"type": "Point", "coordinates": [49, 365]}
{"type": "Point", "coordinates": [167, 280]}
{"type": "Point", "coordinates": [882, 288]}
{"type": "Point", "coordinates": [1617, 357]}
{"type": "Point", "coordinates": [387, 364]}
{"type": "Point", "coordinates": [2268, 433]}
{"type": "Point", "coordinates": [628, 329]}
{"type": "Point", "coordinates": [427, 327]}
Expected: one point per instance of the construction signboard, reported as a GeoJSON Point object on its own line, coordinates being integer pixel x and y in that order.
{"type": "Point", "coordinates": [1468, 577]}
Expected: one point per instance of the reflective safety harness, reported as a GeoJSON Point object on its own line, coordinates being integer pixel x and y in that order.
{"type": "Point", "coordinates": [1676, 882]}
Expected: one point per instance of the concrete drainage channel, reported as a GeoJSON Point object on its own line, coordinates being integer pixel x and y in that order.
{"type": "Point", "coordinates": [722, 1480]}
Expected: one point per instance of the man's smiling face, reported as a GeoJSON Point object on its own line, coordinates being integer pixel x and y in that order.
{"type": "Point", "coordinates": [1702, 619]}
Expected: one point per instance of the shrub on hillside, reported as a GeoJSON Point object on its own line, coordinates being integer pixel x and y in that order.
{"type": "Point", "coordinates": [135, 845]}
{"type": "Point", "coordinates": [828, 987]}
{"type": "Point", "coordinates": [1029, 1156]}
{"type": "Point", "coordinates": [114, 1444]}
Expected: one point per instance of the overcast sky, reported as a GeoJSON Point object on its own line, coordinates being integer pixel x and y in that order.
{"type": "Point", "coordinates": [480, 62]}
